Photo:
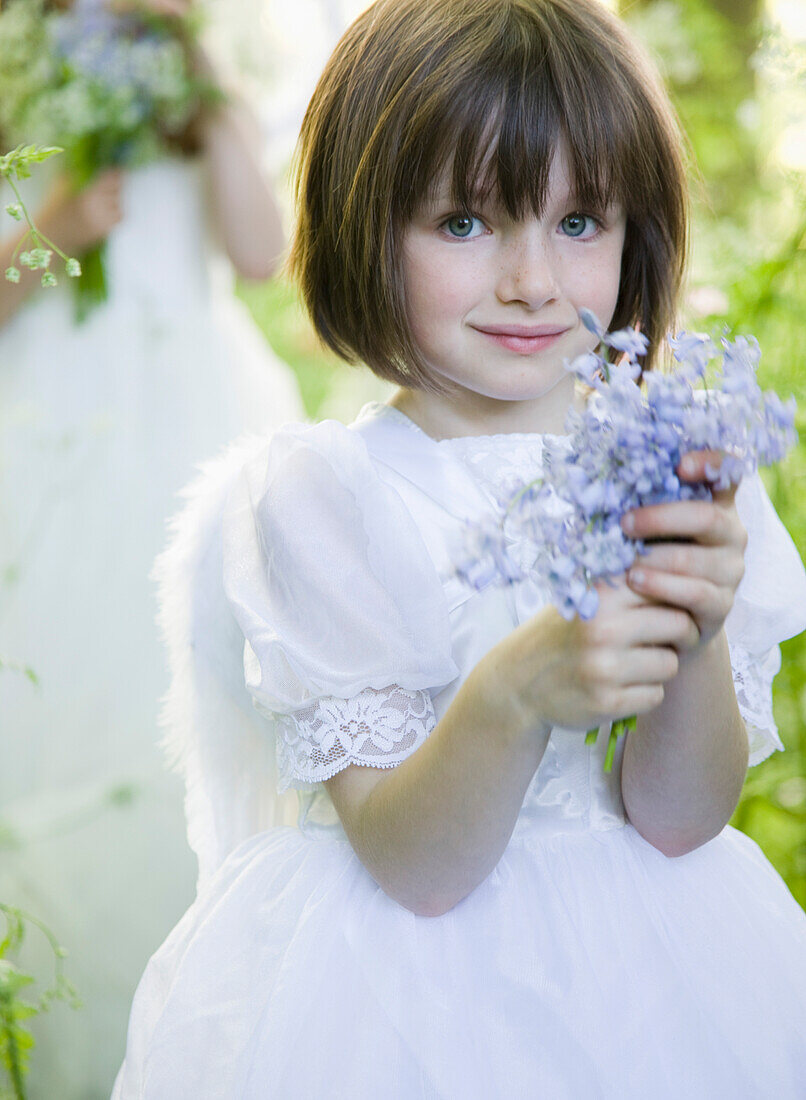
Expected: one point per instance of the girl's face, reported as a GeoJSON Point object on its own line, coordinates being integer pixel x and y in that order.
{"type": "Point", "coordinates": [494, 306]}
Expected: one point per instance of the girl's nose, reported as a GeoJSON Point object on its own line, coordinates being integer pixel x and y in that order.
{"type": "Point", "coordinates": [527, 269]}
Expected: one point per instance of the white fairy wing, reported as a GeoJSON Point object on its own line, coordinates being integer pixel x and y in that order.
{"type": "Point", "coordinates": [223, 748]}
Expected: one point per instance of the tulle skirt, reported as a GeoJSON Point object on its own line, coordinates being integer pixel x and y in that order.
{"type": "Point", "coordinates": [586, 965]}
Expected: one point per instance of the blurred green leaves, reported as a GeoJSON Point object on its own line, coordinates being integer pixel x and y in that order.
{"type": "Point", "coordinates": [735, 94]}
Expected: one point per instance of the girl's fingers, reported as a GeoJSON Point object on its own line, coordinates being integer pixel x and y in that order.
{"type": "Point", "coordinates": [646, 665]}
{"type": "Point", "coordinates": [638, 700]}
{"type": "Point", "coordinates": [701, 520]}
{"type": "Point", "coordinates": [702, 598]}
{"type": "Point", "coordinates": [616, 592]}
{"type": "Point", "coordinates": [629, 617]}
{"type": "Point", "coordinates": [695, 466]}
{"type": "Point", "coordinates": [696, 519]}
{"type": "Point", "coordinates": [614, 670]}
{"type": "Point", "coordinates": [664, 626]}
{"type": "Point", "coordinates": [693, 560]}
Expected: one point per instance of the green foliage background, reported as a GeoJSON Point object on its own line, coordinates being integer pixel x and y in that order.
{"type": "Point", "coordinates": [737, 86]}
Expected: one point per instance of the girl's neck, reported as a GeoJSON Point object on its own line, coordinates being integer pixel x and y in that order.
{"type": "Point", "coordinates": [448, 416]}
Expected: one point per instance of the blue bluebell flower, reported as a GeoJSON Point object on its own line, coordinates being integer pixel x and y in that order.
{"type": "Point", "coordinates": [622, 452]}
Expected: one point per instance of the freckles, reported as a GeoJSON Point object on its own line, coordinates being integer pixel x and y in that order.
{"type": "Point", "coordinates": [600, 282]}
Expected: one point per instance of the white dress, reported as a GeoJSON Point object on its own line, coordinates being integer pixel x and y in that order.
{"type": "Point", "coordinates": [587, 963]}
{"type": "Point", "coordinates": [100, 427]}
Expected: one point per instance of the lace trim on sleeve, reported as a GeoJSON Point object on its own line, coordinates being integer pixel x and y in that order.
{"type": "Point", "coordinates": [752, 680]}
{"type": "Point", "coordinates": [375, 728]}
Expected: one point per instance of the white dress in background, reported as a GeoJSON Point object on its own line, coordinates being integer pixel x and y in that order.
{"type": "Point", "coordinates": [587, 964]}
{"type": "Point", "coordinates": [100, 427]}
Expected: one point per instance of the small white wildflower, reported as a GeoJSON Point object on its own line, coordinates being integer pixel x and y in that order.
{"type": "Point", "coordinates": [27, 260]}
{"type": "Point", "coordinates": [13, 274]}
{"type": "Point", "coordinates": [72, 268]}
{"type": "Point", "coordinates": [48, 279]}
{"type": "Point", "coordinates": [15, 210]}
{"type": "Point", "coordinates": [41, 257]}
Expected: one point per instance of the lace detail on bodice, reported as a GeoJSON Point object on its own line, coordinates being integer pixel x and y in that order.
{"type": "Point", "coordinates": [375, 728]}
{"type": "Point", "coordinates": [752, 680]}
{"type": "Point", "coordinates": [503, 464]}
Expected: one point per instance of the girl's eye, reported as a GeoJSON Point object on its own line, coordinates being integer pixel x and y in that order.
{"type": "Point", "coordinates": [464, 226]}
{"type": "Point", "coordinates": [579, 225]}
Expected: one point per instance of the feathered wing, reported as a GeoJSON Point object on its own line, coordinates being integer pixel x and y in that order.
{"type": "Point", "coordinates": [213, 736]}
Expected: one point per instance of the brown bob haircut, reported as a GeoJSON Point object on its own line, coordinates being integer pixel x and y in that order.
{"type": "Point", "coordinates": [484, 90]}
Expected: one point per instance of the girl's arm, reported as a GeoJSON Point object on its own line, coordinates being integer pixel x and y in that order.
{"type": "Point", "coordinates": [684, 766]}
{"type": "Point", "coordinates": [244, 207]}
{"type": "Point", "coordinates": [74, 222]}
{"type": "Point", "coordinates": [434, 827]}
{"type": "Point", "coordinates": [243, 200]}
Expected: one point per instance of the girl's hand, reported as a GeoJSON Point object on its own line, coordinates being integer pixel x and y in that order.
{"type": "Point", "coordinates": [79, 220]}
{"type": "Point", "coordinates": [701, 574]}
{"type": "Point", "coordinates": [579, 674]}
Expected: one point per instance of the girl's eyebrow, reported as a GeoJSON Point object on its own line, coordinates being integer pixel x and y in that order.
{"type": "Point", "coordinates": [572, 201]}
{"type": "Point", "coordinates": [443, 200]}
{"type": "Point", "coordinates": [439, 199]}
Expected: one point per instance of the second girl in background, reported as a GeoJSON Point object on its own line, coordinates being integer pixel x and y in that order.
{"type": "Point", "coordinates": [100, 426]}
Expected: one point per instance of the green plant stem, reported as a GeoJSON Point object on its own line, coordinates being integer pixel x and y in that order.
{"type": "Point", "coordinates": [15, 1069]}
{"type": "Point", "coordinates": [58, 952]}
{"type": "Point", "coordinates": [38, 237]}
{"type": "Point", "coordinates": [615, 732]}
{"type": "Point", "coordinates": [617, 729]}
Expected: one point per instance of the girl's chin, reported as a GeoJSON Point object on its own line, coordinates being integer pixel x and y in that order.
{"type": "Point", "coordinates": [533, 389]}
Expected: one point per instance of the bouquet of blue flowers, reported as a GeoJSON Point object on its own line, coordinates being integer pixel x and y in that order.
{"type": "Point", "coordinates": [622, 452]}
{"type": "Point", "coordinates": [111, 88]}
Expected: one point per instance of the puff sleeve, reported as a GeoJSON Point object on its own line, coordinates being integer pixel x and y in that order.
{"type": "Point", "coordinates": [345, 622]}
{"type": "Point", "coordinates": [770, 606]}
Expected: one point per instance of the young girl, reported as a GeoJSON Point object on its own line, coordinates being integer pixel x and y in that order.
{"type": "Point", "coordinates": [469, 907]}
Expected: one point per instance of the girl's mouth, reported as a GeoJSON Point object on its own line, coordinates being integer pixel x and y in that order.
{"type": "Point", "coordinates": [522, 339]}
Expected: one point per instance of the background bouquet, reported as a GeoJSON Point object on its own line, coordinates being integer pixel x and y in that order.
{"type": "Point", "coordinates": [113, 88]}
{"type": "Point", "coordinates": [622, 452]}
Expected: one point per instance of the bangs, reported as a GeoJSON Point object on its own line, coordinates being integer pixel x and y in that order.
{"type": "Point", "coordinates": [489, 123]}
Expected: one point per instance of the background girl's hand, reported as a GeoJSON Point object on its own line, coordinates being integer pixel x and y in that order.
{"type": "Point", "coordinates": [79, 220]}
{"type": "Point", "coordinates": [579, 674]}
{"type": "Point", "coordinates": [701, 574]}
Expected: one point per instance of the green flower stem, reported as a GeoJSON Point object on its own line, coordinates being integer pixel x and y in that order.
{"type": "Point", "coordinates": [522, 492]}
{"type": "Point", "coordinates": [617, 729]}
{"type": "Point", "coordinates": [39, 240]}
{"type": "Point", "coordinates": [36, 234]}
{"type": "Point", "coordinates": [31, 227]}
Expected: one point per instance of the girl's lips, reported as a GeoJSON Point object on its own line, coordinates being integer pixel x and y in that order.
{"type": "Point", "coordinates": [520, 341]}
